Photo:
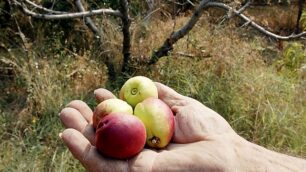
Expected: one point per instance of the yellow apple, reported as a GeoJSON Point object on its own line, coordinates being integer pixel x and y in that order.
{"type": "Point", "coordinates": [137, 89]}
{"type": "Point", "coordinates": [158, 120]}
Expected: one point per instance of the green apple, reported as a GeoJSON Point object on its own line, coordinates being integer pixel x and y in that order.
{"type": "Point", "coordinates": [158, 120]}
{"type": "Point", "coordinates": [137, 89]}
{"type": "Point", "coordinates": [108, 106]}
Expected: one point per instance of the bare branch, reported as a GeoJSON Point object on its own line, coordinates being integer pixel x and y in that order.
{"type": "Point", "coordinates": [126, 22]}
{"type": "Point", "coordinates": [253, 24]}
{"type": "Point", "coordinates": [88, 20]}
{"type": "Point", "coordinates": [68, 15]}
{"type": "Point", "coordinates": [43, 8]}
{"type": "Point", "coordinates": [244, 7]}
{"type": "Point", "coordinates": [20, 33]}
{"type": "Point", "coordinates": [175, 36]}
{"type": "Point", "coordinates": [146, 18]}
{"type": "Point", "coordinates": [182, 4]}
{"type": "Point", "coordinates": [150, 4]}
{"type": "Point", "coordinates": [191, 3]}
{"type": "Point", "coordinates": [73, 15]}
{"type": "Point", "coordinates": [185, 54]}
{"type": "Point", "coordinates": [231, 14]}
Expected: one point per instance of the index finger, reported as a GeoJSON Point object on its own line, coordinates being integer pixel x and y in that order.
{"type": "Point", "coordinates": [102, 94]}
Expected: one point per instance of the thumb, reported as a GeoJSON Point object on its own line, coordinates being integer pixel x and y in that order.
{"type": "Point", "coordinates": [169, 96]}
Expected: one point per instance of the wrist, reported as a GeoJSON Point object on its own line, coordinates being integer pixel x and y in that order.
{"type": "Point", "coordinates": [252, 157]}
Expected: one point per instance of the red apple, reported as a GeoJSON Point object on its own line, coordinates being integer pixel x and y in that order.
{"type": "Point", "coordinates": [120, 135]}
{"type": "Point", "coordinates": [158, 120]}
{"type": "Point", "coordinates": [108, 106]}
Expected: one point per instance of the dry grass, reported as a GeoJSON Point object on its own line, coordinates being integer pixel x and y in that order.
{"type": "Point", "coordinates": [231, 71]}
{"type": "Point", "coordinates": [29, 128]}
{"type": "Point", "coordinates": [232, 76]}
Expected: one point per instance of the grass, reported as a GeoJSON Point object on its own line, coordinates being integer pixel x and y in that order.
{"type": "Point", "coordinates": [235, 74]}
{"type": "Point", "coordinates": [30, 127]}
{"type": "Point", "coordinates": [263, 103]}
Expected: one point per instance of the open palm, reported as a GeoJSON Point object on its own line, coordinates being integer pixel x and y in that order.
{"type": "Point", "coordinates": [202, 141]}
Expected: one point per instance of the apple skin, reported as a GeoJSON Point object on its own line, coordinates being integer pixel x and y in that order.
{"type": "Point", "coordinates": [137, 89]}
{"type": "Point", "coordinates": [120, 135]}
{"type": "Point", "coordinates": [108, 106]}
{"type": "Point", "coordinates": [158, 120]}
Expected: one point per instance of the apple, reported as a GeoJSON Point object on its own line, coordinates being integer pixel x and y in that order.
{"type": "Point", "coordinates": [120, 135]}
{"type": "Point", "coordinates": [158, 120]}
{"type": "Point", "coordinates": [137, 89]}
{"type": "Point", "coordinates": [108, 106]}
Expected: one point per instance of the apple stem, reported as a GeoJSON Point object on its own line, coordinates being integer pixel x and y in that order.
{"type": "Point", "coordinates": [155, 140]}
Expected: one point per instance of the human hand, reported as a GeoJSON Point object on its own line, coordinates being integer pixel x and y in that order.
{"type": "Point", "coordinates": [202, 140]}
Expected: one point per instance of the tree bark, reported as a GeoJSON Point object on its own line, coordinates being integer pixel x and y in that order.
{"type": "Point", "coordinates": [255, 25]}
{"type": "Point", "coordinates": [57, 15]}
{"type": "Point", "coordinates": [126, 22]}
{"type": "Point", "coordinates": [175, 36]}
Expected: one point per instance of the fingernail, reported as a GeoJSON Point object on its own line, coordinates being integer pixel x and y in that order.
{"type": "Point", "coordinates": [59, 114]}
{"type": "Point", "coordinates": [60, 135]}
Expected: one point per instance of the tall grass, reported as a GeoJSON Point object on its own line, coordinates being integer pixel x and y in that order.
{"type": "Point", "coordinates": [259, 103]}
{"type": "Point", "coordinates": [233, 73]}
{"type": "Point", "coordinates": [262, 103]}
{"type": "Point", "coordinates": [29, 129]}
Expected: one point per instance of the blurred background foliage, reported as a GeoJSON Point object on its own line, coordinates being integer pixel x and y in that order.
{"type": "Point", "coordinates": [257, 84]}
